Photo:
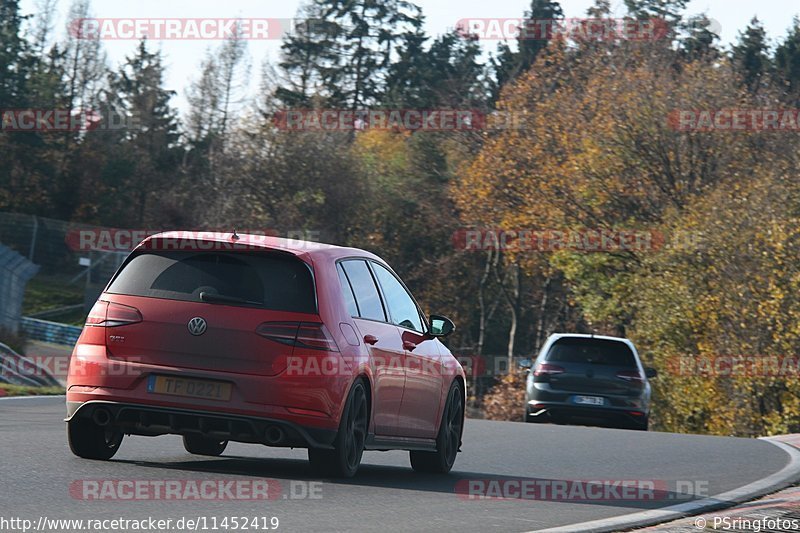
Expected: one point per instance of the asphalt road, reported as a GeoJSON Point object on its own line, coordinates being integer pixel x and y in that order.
{"type": "Point", "coordinates": [37, 471]}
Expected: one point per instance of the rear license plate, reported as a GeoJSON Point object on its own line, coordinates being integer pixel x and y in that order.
{"type": "Point", "coordinates": [589, 400]}
{"type": "Point", "coordinates": [190, 388]}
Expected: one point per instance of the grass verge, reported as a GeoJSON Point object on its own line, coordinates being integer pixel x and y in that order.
{"type": "Point", "coordinates": [21, 390]}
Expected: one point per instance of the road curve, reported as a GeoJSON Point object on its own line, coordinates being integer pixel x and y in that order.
{"type": "Point", "coordinates": [38, 471]}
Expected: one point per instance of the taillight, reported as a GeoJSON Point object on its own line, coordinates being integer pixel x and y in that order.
{"type": "Point", "coordinates": [282, 332]}
{"type": "Point", "coordinates": [110, 314]}
{"type": "Point", "coordinates": [315, 336]}
{"type": "Point", "coordinates": [299, 334]}
{"type": "Point", "coordinates": [630, 375]}
{"type": "Point", "coordinates": [546, 369]}
{"type": "Point", "coordinates": [98, 313]}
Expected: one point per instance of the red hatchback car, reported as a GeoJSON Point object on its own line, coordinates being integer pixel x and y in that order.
{"type": "Point", "coordinates": [226, 337]}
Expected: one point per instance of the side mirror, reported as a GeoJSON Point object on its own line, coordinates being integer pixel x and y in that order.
{"type": "Point", "coordinates": [650, 372]}
{"type": "Point", "coordinates": [441, 326]}
{"type": "Point", "coordinates": [525, 364]}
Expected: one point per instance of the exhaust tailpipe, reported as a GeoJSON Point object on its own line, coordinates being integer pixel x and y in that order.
{"type": "Point", "coordinates": [101, 417]}
{"type": "Point", "coordinates": [274, 435]}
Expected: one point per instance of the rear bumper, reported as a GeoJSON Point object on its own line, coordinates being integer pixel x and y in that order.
{"type": "Point", "coordinates": [550, 411]}
{"type": "Point", "coordinates": [312, 402]}
{"type": "Point", "coordinates": [546, 394]}
{"type": "Point", "coordinates": [148, 420]}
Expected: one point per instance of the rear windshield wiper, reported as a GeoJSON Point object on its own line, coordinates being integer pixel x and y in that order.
{"type": "Point", "coordinates": [221, 298]}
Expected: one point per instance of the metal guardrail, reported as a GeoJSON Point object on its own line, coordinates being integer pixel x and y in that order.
{"type": "Point", "coordinates": [46, 331]}
{"type": "Point", "coordinates": [17, 369]}
{"type": "Point", "coordinates": [57, 311]}
{"type": "Point", "coordinates": [15, 272]}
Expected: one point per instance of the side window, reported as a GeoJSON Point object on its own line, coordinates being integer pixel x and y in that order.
{"type": "Point", "coordinates": [347, 291]}
{"type": "Point", "coordinates": [401, 306]}
{"type": "Point", "coordinates": [366, 293]}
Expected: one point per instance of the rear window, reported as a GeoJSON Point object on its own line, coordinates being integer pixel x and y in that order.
{"type": "Point", "coordinates": [262, 280]}
{"type": "Point", "coordinates": [594, 351]}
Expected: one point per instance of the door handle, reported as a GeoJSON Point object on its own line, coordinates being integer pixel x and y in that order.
{"type": "Point", "coordinates": [370, 339]}
{"type": "Point", "coordinates": [408, 345]}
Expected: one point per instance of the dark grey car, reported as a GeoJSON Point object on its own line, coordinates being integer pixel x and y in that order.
{"type": "Point", "coordinates": [588, 379]}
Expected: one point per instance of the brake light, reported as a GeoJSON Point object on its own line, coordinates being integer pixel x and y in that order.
{"type": "Point", "coordinates": [299, 334]}
{"type": "Point", "coordinates": [282, 332]}
{"type": "Point", "coordinates": [630, 375]}
{"type": "Point", "coordinates": [98, 313]}
{"type": "Point", "coordinates": [315, 336]}
{"type": "Point", "coordinates": [110, 314]}
{"type": "Point", "coordinates": [546, 369]}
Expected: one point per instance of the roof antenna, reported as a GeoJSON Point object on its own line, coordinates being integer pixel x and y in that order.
{"type": "Point", "coordinates": [235, 235]}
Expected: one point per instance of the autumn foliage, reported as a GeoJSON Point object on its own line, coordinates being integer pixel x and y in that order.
{"type": "Point", "coordinates": [599, 151]}
{"type": "Point", "coordinates": [580, 136]}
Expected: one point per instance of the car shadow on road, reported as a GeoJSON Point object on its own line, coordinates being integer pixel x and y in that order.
{"type": "Point", "coordinates": [467, 486]}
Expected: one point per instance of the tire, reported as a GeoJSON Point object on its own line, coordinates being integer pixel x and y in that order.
{"type": "Point", "coordinates": [447, 441]}
{"type": "Point", "coordinates": [199, 445]}
{"type": "Point", "coordinates": [344, 459]}
{"type": "Point", "coordinates": [90, 441]}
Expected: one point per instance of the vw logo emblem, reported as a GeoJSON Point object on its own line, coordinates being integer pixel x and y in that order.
{"type": "Point", "coordinates": [197, 326]}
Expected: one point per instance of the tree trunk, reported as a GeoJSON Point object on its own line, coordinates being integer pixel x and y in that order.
{"type": "Point", "coordinates": [482, 303]}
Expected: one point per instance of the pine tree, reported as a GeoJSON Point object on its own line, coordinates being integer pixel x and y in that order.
{"type": "Point", "coordinates": [458, 77]}
{"type": "Point", "coordinates": [408, 78]}
{"type": "Point", "coordinates": [342, 55]}
{"type": "Point", "coordinates": [509, 64]}
{"type": "Point", "coordinates": [751, 55]}
{"type": "Point", "coordinates": [308, 57]}
{"type": "Point", "coordinates": [787, 61]}
{"type": "Point", "coordinates": [204, 120]}
{"type": "Point", "coordinates": [24, 167]}
{"type": "Point", "coordinates": [600, 9]}
{"type": "Point", "coordinates": [667, 10]}
{"type": "Point", "coordinates": [368, 31]}
{"type": "Point", "coordinates": [447, 75]}
{"type": "Point", "coordinates": [529, 49]}
{"type": "Point", "coordinates": [233, 70]}
{"type": "Point", "coordinates": [151, 146]}
{"type": "Point", "coordinates": [85, 81]}
{"type": "Point", "coordinates": [698, 41]}
{"type": "Point", "coordinates": [15, 57]}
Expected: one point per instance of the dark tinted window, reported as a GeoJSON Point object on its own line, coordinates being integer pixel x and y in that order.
{"type": "Point", "coordinates": [596, 351]}
{"type": "Point", "coordinates": [347, 292]}
{"type": "Point", "coordinates": [367, 297]}
{"type": "Point", "coordinates": [402, 309]}
{"type": "Point", "coordinates": [270, 281]}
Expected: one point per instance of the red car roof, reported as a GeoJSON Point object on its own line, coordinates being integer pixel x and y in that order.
{"type": "Point", "coordinates": [298, 248]}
